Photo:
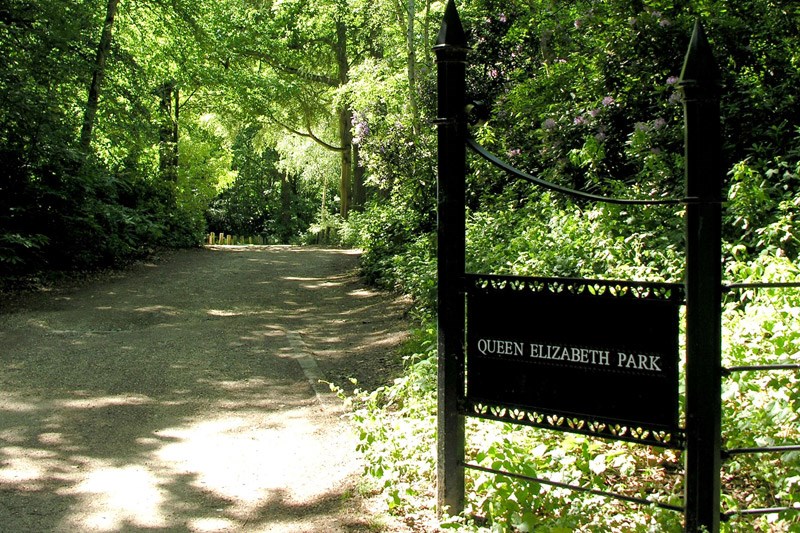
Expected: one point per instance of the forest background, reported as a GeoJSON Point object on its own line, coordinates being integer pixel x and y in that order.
{"type": "Point", "coordinates": [130, 125]}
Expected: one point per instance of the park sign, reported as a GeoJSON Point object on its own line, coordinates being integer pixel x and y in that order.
{"type": "Point", "coordinates": [574, 354]}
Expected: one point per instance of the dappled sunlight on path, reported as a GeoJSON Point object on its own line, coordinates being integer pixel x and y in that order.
{"type": "Point", "coordinates": [177, 397]}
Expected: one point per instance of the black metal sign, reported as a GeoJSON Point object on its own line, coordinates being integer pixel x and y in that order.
{"type": "Point", "coordinates": [594, 352]}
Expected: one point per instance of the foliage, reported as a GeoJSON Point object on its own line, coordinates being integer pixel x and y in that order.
{"type": "Point", "coordinates": [585, 94]}
{"type": "Point", "coordinates": [396, 429]}
{"type": "Point", "coordinates": [398, 157]}
{"type": "Point", "coordinates": [762, 408]}
{"type": "Point", "coordinates": [63, 208]}
{"type": "Point", "coordinates": [763, 203]}
{"type": "Point", "coordinates": [551, 239]}
{"type": "Point", "coordinates": [262, 198]}
{"type": "Point", "coordinates": [268, 117]}
{"type": "Point", "coordinates": [386, 231]}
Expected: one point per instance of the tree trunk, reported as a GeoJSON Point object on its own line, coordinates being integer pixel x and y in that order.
{"type": "Point", "coordinates": [103, 48]}
{"type": "Point", "coordinates": [411, 10]}
{"type": "Point", "coordinates": [346, 176]}
{"type": "Point", "coordinates": [428, 45]}
{"type": "Point", "coordinates": [168, 133]}
{"type": "Point", "coordinates": [286, 209]}
{"type": "Point", "coordinates": [359, 192]}
{"type": "Point", "coordinates": [175, 123]}
{"type": "Point", "coordinates": [345, 122]}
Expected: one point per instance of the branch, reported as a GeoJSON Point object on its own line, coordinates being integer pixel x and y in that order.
{"type": "Point", "coordinates": [317, 78]}
{"type": "Point", "coordinates": [309, 134]}
{"type": "Point", "coordinates": [186, 100]}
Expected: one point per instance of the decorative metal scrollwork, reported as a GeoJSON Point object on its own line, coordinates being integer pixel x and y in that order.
{"type": "Point", "coordinates": [578, 287]}
{"type": "Point", "coordinates": [673, 439]}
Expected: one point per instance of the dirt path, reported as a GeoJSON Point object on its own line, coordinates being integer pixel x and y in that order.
{"type": "Point", "coordinates": [179, 396]}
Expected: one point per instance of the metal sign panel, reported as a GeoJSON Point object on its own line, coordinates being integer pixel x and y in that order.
{"type": "Point", "coordinates": [597, 351]}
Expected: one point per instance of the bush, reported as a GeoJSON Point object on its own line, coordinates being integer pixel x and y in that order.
{"type": "Point", "coordinates": [585, 95]}
{"type": "Point", "coordinates": [396, 428]}
{"type": "Point", "coordinates": [385, 232]}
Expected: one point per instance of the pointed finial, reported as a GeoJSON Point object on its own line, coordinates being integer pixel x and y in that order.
{"type": "Point", "coordinates": [452, 32]}
{"type": "Point", "coordinates": [700, 67]}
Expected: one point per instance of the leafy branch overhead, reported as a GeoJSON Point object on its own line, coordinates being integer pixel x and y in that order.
{"type": "Point", "coordinates": [312, 121]}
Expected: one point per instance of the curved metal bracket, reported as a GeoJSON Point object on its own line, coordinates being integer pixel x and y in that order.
{"type": "Point", "coordinates": [481, 151]}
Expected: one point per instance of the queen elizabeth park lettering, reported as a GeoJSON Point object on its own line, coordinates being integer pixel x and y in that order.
{"type": "Point", "coordinates": [593, 351]}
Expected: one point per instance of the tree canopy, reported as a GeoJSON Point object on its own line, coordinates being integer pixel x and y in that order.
{"type": "Point", "coordinates": [129, 125]}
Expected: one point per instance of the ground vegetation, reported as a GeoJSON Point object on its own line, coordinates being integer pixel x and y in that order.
{"type": "Point", "coordinates": [586, 95]}
{"type": "Point", "coordinates": [132, 125]}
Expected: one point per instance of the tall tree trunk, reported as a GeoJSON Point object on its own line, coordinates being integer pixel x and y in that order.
{"type": "Point", "coordinates": [345, 122]}
{"type": "Point", "coordinates": [346, 176]}
{"type": "Point", "coordinates": [175, 123]}
{"type": "Point", "coordinates": [168, 133]}
{"type": "Point", "coordinates": [103, 48]}
{"type": "Point", "coordinates": [411, 10]}
{"type": "Point", "coordinates": [286, 209]}
{"type": "Point", "coordinates": [426, 33]}
{"type": "Point", "coordinates": [359, 192]}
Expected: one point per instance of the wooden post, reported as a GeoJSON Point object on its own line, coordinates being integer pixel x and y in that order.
{"type": "Point", "coordinates": [701, 86]}
{"type": "Point", "coordinates": [451, 57]}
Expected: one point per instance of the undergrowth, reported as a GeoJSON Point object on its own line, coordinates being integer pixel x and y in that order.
{"type": "Point", "coordinates": [396, 426]}
{"type": "Point", "coordinates": [397, 423]}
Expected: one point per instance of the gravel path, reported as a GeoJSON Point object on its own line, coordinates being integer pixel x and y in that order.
{"type": "Point", "coordinates": [183, 395]}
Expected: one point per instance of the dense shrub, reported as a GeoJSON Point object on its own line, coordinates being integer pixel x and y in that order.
{"type": "Point", "coordinates": [82, 217]}
{"type": "Point", "coordinates": [585, 95]}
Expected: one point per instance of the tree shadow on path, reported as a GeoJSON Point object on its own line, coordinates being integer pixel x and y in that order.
{"type": "Point", "coordinates": [170, 398]}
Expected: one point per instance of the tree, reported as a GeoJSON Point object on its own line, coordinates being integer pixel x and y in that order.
{"type": "Point", "coordinates": [103, 49]}
{"type": "Point", "coordinates": [295, 63]}
{"type": "Point", "coordinates": [169, 114]}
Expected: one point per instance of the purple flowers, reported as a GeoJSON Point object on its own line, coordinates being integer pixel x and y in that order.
{"type": "Point", "coordinates": [651, 126]}
{"type": "Point", "coordinates": [514, 153]}
{"type": "Point", "coordinates": [662, 20]}
{"type": "Point", "coordinates": [360, 127]}
{"type": "Point", "coordinates": [675, 97]}
{"type": "Point", "coordinates": [549, 124]}
{"type": "Point", "coordinates": [607, 101]}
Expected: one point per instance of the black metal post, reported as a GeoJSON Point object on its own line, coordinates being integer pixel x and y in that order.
{"type": "Point", "coordinates": [701, 86]}
{"type": "Point", "coordinates": [451, 56]}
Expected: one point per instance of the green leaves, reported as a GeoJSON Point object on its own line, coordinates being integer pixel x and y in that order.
{"type": "Point", "coordinates": [585, 94]}
{"type": "Point", "coordinates": [396, 427]}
